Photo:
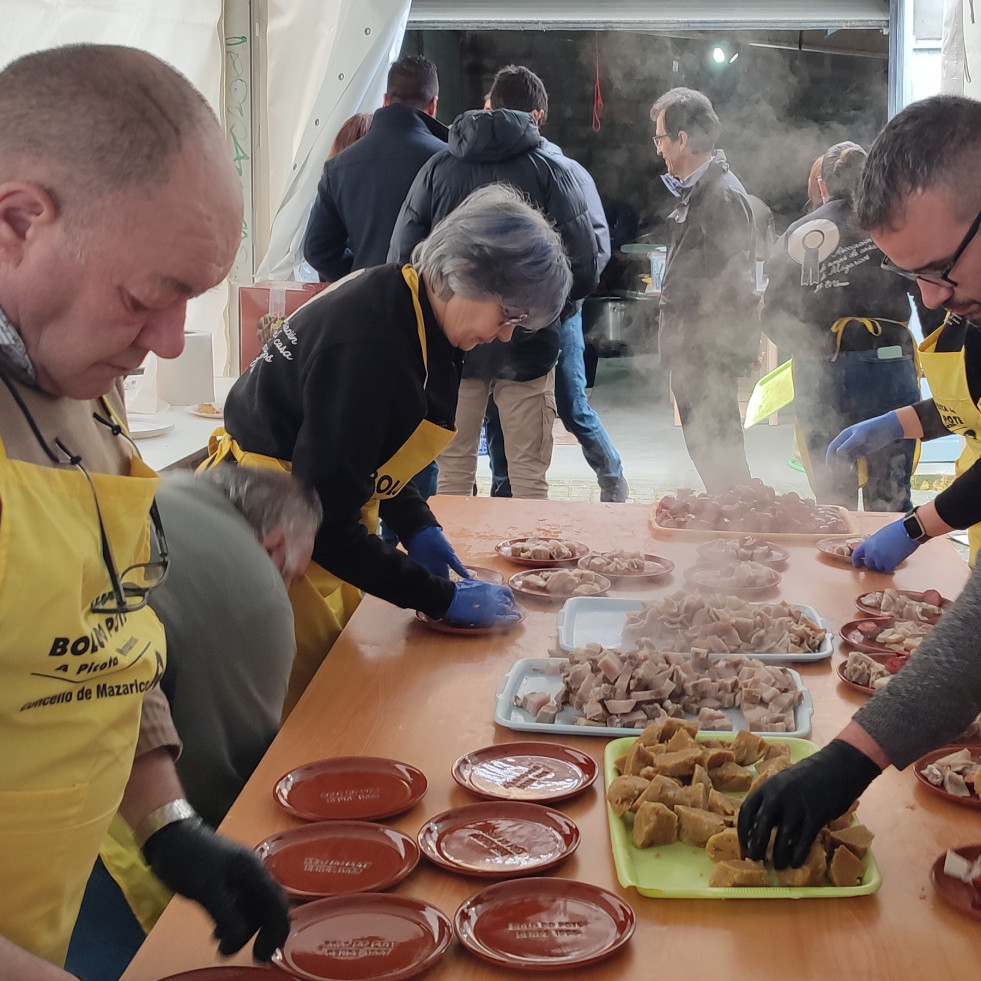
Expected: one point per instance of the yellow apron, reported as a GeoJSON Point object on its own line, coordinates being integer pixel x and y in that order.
{"type": "Point", "coordinates": [874, 327]}
{"type": "Point", "coordinates": [322, 603]}
{"type": "Point", "coordinates": [72, 686]}
{"type": "Point", "coordinates": [946, 374]}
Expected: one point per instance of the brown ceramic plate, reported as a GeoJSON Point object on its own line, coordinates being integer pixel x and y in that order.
{"type": "Point", "coordinates": [350, 788]}
{"type": "Point", "coordinates": [825, 546]}
{"type": "Point", "coordinates": [960, 895]}
{"type": "Point", "coordinates": [854, 637]}
{"type": "Point", "coordinates": [718, 551]}
{"type": "Point", "coordinates": [449, 627]}
{"type": "Point", "coordinates": [504, 548]}
{"type": "Point", "coordinates": [913, 594]}
{"type": "Point", "coordinates": [932, 757]}
{"type": "Point", "coordinates": [864, 689]}
{"type": "Point", "coordinates": [229, 972]}
{"type": "Point", "coordinates": [705, 575]}
{"type": "Point", "coordinates": [371, 935]}
{"type": "Point", "coordinates": [519, 584]}
{"type": "Point", "coordinates": [525, 771]}
{"type": "Point", "coordinates": [331, 858]}
{"type": "Point", "coordinates": [498, 839]}
{"type": "Point", "coordinates": [544, 924]}
{"type": "Point", "coordinates": [655, 567]}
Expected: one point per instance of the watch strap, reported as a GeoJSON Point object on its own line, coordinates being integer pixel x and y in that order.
{"type": "Point", "coordinates": [169, 813]}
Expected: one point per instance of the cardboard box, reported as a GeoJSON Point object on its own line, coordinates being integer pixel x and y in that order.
{"type": "Point", "coordinates": [262, 308]}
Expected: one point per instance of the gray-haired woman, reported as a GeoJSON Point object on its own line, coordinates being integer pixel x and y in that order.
{"type": "Point", "coordinates": [357, 393]}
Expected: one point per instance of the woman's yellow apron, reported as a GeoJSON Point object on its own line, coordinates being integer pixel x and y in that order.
{"type": "Point", "coordinates": [322, 603]}
{"type": "Point", "coordinates": [947, 376]}
{"type": "Point", "coordinates": [72, 685]}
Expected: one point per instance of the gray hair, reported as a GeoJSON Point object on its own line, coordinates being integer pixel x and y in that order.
{"type": "Point", "coordinates": [691, 112]}
{"type": "Point", "coordinates": [270, 499]}
{"type": "Point", "coordinates": [496, 246]}
{"type": "Point", "coordinates": [932, 145]}
{"type": "Point", "coordinates": [841, 169]}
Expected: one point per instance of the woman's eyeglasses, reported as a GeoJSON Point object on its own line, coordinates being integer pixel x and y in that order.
{"type": "Point", "coordinates": [513, 320]}
{"type": "Point", "coordinates": [131, 588]}
{"type": "Point", "coordinates": [941, 278]}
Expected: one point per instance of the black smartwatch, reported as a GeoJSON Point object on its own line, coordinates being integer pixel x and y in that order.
{"type": "Point", "coordinates": [914, 528]}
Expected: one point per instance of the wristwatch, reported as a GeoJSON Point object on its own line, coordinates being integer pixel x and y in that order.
{"type": "Point", "coordinates": [914, 527]}
{"type": "Point", "coordinates": [170, 813]}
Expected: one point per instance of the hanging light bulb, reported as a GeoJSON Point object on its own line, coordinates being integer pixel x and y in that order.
{"type": "Point", "coordinates": [718, 55]}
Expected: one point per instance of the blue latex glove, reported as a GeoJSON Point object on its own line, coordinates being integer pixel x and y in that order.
{"type": "Point", "coordinates": [865, 437]}
{"type": "Point", "coordinates": [432, 550]}
{"type": "Point", "coordinates": [884, 550]}
{"type": "Point", "coordinates": [481, 604]}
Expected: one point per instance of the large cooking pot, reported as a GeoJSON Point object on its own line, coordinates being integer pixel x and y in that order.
{"type": "Point", "coordinates": [606, 319]}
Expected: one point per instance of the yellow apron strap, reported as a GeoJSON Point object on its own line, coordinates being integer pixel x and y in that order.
{"type": "Point", "coordinates": [412, 278]}
{"type": "Point", "coordinates": [838, 328]}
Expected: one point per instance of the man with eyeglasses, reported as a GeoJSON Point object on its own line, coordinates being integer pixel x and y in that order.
{"type": "Point", "coordinates": [918, 200]}
{"type": "Point", "coordinates": [118, 203]}
{"type": "Point", "coordinates": [709, 331]}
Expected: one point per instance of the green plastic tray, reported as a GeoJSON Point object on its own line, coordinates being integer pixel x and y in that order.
{"type": "Point", "coordinates": [680, 871]}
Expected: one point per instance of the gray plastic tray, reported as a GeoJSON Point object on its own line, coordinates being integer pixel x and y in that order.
{"type": "Point", "coordinates": [600, 620]}
{"type": "Point", "coordinates": [542, 674]}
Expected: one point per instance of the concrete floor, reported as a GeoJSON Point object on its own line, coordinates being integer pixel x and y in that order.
{"type": "Point", "coordinates": [631, 397]}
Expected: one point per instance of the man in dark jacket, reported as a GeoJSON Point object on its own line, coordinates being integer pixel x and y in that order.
{"type": "Point", "coordinates": [363, 187]}
{"type": "Point", "coordinates": [709, 331]}
{"type": "Point", "coordinates": [487, 147]}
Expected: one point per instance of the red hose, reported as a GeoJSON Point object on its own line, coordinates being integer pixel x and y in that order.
{"type": "Point", "coordinates": [597, 94]}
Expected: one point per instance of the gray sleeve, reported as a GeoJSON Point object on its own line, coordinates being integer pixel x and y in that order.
{"type": "Point", "coordinates": [597, 215]}
{"type": "Point", "coordinates": [937, 695]}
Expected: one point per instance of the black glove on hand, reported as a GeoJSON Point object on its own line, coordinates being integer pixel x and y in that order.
{"type": "Point", "coordinates": [800, 800]}
{"type": "Point", "coordinates": [227, 880]}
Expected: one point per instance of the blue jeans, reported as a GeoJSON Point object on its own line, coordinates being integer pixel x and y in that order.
{"type": "Point", "coordinates": [574, 410]}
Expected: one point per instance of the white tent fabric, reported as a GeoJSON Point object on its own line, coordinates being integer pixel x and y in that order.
{"type": "Point", "coordinates": [323, 63]}
{"type": "Point", "coordinates": [183, 33]}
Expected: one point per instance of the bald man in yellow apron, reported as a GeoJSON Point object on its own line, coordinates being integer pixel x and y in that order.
{"type": "Point", "coordinates": [355, 394]}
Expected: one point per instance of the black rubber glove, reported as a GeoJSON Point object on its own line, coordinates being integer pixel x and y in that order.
{"type": "Point", "coordinates": [227, 880]}
{"type": "Point", "coordinates": [800, 800]}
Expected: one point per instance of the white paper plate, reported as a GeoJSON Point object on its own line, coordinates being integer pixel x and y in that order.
{"type": "Point", "coordinates": [601, 619]}
{"type": "Point", "coordinates": [143, 427]}
{"type": "Point", "coordinates": [542, 674]}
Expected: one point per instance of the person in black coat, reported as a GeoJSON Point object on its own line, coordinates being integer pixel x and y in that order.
{"type": "Point", "coordinates": [709, 331]}
{"type": "Point", "coordinates": [363, 187]}
{"type": "Point", "coordinates": [488, 146]}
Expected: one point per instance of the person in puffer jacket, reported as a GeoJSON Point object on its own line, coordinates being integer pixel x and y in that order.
{"type": "Point", "coordinates": [503, 146]}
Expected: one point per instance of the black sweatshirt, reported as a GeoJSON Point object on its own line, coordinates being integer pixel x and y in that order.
{"type": "Point", "coordinates": [337, 391]}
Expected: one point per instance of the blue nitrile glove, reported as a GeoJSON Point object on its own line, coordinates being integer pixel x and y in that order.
{"type": "Point", "coordinates": [865, 437]}
{"type": "Point", "coordinates": [884, 550]}
{"type": "Point", "coordinates": [799, 801]}
{"type": "Point", "coordinates": [431, 549]}
{"type": "Point", "coordinates": [480, 604]}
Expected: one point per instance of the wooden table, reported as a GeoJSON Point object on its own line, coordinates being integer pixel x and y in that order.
{"type": "Point", "coordinates": [393, 688]}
